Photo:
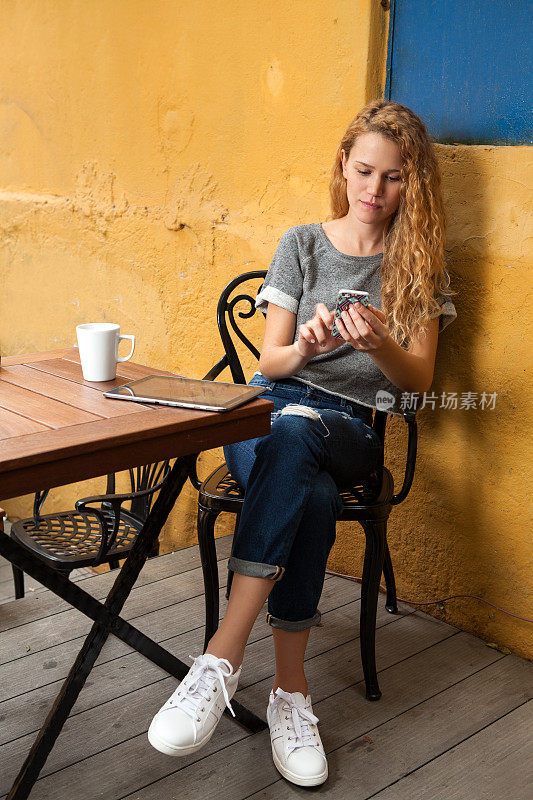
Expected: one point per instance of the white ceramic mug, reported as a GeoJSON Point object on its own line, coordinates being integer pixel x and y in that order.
{"type": "Point", "coordinates": [98, 347]}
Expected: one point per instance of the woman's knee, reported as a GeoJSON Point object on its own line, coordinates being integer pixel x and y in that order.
{"type": "Point", "coordinates": [289, 433]}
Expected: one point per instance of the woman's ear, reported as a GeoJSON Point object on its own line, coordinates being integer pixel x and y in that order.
{"type": "Point", "coordinates": [343, 165]}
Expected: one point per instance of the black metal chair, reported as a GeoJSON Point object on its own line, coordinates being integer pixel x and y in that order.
{"type": "Point", "coordinates": [368, 503]}
{"type": "Point", "coordinates": [88, 535]}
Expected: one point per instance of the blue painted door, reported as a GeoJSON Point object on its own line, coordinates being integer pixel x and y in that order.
{"type": "Point", "coordinates": [464, 67]}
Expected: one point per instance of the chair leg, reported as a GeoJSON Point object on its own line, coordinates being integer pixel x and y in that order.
{"type": "Point", "coordinates": [114, 563]}
{"type": "Point", "coordinates": [388, 572]}
{"type": "Point", "coordinates": [376, 533]}
{"type": "Point", "coordinates": [154, 552]}
{"type": "Point", "coordinates": [228, 584]}
{"type": "Point", "coordinates": [208, 555]}
{"type": "Point", "coordinates": [18, 580]}
{"type": "Point", "coordinates": [230, 571]}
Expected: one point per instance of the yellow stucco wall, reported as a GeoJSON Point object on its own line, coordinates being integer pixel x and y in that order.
{"type": "Point", "coordinates": [149, 152]}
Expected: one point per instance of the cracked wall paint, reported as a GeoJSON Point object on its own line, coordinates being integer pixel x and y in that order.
{"type": "Point", "coordinates": [143, 166]}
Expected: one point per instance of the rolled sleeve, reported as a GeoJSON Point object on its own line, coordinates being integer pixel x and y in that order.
{"type": "Point", "coordinates": [269, 294]}
{"type": "Point", "coordinates": [283, 285]}
{"type": "Point", "coordinates": [446, 313]}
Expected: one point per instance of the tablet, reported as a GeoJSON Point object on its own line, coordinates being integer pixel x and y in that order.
{"type": "Point", "coordinates": [185, 393]}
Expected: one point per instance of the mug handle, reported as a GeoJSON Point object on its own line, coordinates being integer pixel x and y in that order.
{"type": "Point", "coordinates": [126, 336]}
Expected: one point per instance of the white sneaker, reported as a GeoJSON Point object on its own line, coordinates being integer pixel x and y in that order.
{"type": "Point", "coordinates": [189, 717]}
{"type": "Point", "coordinates": [296, 746]}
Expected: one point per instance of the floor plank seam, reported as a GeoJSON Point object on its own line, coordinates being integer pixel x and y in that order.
{"type": "Point", "coordinates": [101, 599]}
{"type": "Point", "coordinates": [428, 647]}
{"type": "Point", "coordinates": [86, 710]}
{"type": "Point", "coordinates": [397, 716]}
{"type": "Point", "coordinates": [246, 735]}
{"type": "Point", "coordinates": [379, 671]}
{"type": "Point", "coordinates": [162, 641]}
{"type": "Point", "coordinates": [130, 620]}
{"type": "Point", "coordinates": [336, 646]}
{"type": "Point", "coordinates": [364, 733]}
{"type": "Point", "coordinates": [140, 586]}
{"type": "Point", "coordinates": [131, 794]}
{"type": "Point", "coordinates": [420, 703]}
{"type": "Point", "coordinates": [191, 630]}
{"type": "Point", "coordinates": [38, 590]}
{"type": "Point", "coordinates": [448, 749]}
{"type": "Point", "coordinates": [249, 796]}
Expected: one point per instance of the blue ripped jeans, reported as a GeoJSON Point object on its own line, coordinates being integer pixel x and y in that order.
{"type": "Point", "coordinates": [291, 479]}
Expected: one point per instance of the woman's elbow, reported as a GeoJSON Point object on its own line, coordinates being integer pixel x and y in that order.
{"type": "Point", "coordinates": [261, 367]}
{"type": "Point", "coordinates": [421, 386]}
{"type": "Point", "coordinates": [426, 385]}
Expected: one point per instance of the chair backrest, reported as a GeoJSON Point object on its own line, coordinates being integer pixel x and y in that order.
{"type": "Point", "coordinates": [141, 479]}
{"type": "Point", "coordinates": [226, 313]}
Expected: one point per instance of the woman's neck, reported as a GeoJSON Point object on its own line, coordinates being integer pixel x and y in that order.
{"type": "Point", "coordinates": [349, 238]}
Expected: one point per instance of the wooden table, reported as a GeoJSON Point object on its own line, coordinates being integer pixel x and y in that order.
{"type": "Point", "coordinates": [57, 428]}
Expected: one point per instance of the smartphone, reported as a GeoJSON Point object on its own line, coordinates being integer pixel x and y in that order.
{"type": "Point", "coordinates": [344, 299]}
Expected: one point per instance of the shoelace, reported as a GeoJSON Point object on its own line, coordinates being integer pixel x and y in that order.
{"type": "Point", "coordinates": [202, 686]}
{"type": "Point", "coordinates": [301, 718]}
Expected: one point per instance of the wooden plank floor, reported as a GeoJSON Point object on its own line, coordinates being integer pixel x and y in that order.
{"type": "Point", "coordinates": [454, 721]}
{"type": "Point", "coordinates": [7, 590]}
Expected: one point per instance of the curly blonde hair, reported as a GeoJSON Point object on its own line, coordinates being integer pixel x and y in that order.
{"type": "Point", "coordinates": [413, 271]}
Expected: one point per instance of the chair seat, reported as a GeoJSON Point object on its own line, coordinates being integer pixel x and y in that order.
{"type": "Point", "coordinates": [221, 492]}
{"type": "Point", "coordinates": [71, 538]}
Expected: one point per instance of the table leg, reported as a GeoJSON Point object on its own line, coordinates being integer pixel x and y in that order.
{"type": "Point", "coordinates": [119, 627]}
{"type": "Point", "coordinates": [95, 640]}
{"type": "Point", "coordinates": [78, 598]}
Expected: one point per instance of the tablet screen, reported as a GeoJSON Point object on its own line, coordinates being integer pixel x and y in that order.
{"type": "Point", "coordinates": [186, 392]}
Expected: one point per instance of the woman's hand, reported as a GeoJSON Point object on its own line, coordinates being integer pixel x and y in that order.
{"type": "Point", "coordinates": [314, 337]}
{"type": "Point", "coordinates": [364, 327]}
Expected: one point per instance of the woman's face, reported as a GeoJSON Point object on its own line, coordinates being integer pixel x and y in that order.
{"type": "Point", "coordinates": [372, 174]}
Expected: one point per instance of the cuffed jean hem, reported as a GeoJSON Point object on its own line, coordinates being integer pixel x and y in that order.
{"type": "Point", "coordinates": [294, 627]}
{"type": "Point", "coordinates": [255, 569]}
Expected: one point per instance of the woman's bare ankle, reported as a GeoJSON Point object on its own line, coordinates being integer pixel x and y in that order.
{"type": "Point", "coordinates": [221, 650]}
{"type": "Point", "coordinates": [291, 684]}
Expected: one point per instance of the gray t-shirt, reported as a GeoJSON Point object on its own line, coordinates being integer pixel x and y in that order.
{"type": "Point", "coordinates": [308, 269]}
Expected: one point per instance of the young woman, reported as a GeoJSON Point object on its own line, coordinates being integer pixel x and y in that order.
{"type": "Point", "coordinates": [386, 237]}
